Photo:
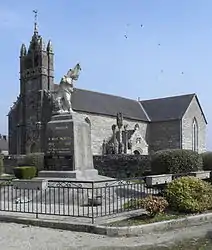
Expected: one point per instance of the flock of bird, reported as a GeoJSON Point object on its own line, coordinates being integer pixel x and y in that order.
{"type": "Point", "coordinates": [141, 25]}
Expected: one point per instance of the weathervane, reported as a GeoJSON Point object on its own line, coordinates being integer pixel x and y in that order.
{"type": "Point", "coordinates": [35, 22]}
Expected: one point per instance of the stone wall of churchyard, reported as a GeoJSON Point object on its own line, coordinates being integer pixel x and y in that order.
{"type": "Point", "coordinates": [122, 166]}
{"type": "Point", "coordinates": [101, 129]}
{"type": "Point", "coordinates": [164, 135]}
{"type": "Point", "coordinates": [192, 112]}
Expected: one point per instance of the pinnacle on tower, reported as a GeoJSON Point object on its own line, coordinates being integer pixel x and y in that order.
{"type": "Point", "coordinates": [23, 50]}
{"type": "Point", "coordinates": [49, 47]}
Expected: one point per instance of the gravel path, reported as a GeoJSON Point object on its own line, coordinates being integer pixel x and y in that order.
{"type": "Point", "coordinates": [22, 237]}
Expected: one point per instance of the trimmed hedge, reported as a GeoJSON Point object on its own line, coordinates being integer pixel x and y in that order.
{"type": "Point", "coordinates": [32, 159]}
{"type": "Point", "coordinates": [189, 194]}
{"type": "Point", "coordinates": [176, 161]}
{"type": "Point", "coordinates": [25, 172]}
{"type": "Point", "coordinates": [122, 166]}
{"type": "Point", "coordinates": [207, 160]}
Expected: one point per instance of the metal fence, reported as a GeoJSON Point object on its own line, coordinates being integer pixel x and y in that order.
{"type": "Point", "coordinates": [77, 199]}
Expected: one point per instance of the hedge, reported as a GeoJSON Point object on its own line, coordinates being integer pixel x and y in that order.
{"type": "Point", "coordinates": [32, 159]}
{"type": "Point", "coordinates": [25, 172]}
{"type": "Point", "coordinates": [207, 160]}
{"type": "Point", "coordinates": [176, 161]}
{"type": "Point", "coordinates": [122, 166]}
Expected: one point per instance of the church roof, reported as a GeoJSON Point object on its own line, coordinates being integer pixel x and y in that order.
{"type": "Point", "coordinates": [100, 103]}
{"type": "Point", "coordinates": [161, 109]}
{"type": "Point", "coordinates": [168, 108]}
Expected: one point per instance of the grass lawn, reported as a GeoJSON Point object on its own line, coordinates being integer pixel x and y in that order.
{"type": "Point", "coordinates": [146, 219]}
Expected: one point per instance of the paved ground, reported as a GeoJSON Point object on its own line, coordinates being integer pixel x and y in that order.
{"type": "Point", "coordinates": [21, 237]}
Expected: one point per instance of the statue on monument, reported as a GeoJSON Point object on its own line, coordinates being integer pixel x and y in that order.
{"type": "Point", "coordinates": [66, 87]}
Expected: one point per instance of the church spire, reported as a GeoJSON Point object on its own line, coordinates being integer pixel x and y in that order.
{"type": "Point", "coordinates": [35, 22]}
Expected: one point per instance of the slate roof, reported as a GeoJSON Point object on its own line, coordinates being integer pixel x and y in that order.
{"type": "Point", "coordinates": [168, 108]}
{"type": "Point", "coordinates": [161, 109]}
{"type": "Point", "coordinates": [100, 103]}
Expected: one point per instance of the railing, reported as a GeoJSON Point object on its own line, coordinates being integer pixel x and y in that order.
{"type": "Point", "coordinates": [76, 199]}
{"type": "Point", "coordinates": [88, 199]}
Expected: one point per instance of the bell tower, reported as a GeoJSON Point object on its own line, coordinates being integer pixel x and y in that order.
{"type": "Point", "coordinates": [36, 77]}
{"type": "Point", "coordinates": [36, 64]}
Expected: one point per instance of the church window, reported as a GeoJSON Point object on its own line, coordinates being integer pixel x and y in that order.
{"type": "Point", "coordinates": [195, 135]}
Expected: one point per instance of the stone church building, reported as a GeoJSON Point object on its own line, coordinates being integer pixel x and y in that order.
{"type": "Point", "coordinates": [148, 125]}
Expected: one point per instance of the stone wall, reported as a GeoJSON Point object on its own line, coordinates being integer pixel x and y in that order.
{"type": "Point", "coordinates": [122, 166]}
{"type": "Point", "coordinates": [164, 135]}
{"type": "Point", "coordinates": [101, 129]}
{"type": "Point", "coordinates": [192, 112]}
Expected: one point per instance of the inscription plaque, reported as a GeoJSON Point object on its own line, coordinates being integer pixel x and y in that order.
{"type": "Point", "coordinates": [59, 140]}
{"type": "Point", "coordinates": [59, 150]}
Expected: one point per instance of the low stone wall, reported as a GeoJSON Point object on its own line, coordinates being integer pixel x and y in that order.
{"type": "Point", "coordinates": [122, 166]}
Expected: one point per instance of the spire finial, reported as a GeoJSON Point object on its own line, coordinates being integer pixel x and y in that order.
{"type": "Point", "coordinates": [35, 21]}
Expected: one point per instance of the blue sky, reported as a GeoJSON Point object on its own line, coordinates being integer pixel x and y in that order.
{"type": "Point", "coordinates": [93, 33]}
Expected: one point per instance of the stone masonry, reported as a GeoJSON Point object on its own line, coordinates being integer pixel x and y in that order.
{"type": "Point", "coordinates": [192, 112]}
{"type": "Point", "coordinates": [164, 135]}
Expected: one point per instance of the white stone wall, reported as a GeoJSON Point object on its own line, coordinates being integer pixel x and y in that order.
{"type": "Point", "coordinates": [101, 129]}
{"type": "Point", "coordinates": [192, 112]}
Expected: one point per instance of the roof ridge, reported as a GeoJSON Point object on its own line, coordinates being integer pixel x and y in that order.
{"type": "Point", "coordinates": [106, 94]}
{"type": "Point", "coordinates": [168, 97]}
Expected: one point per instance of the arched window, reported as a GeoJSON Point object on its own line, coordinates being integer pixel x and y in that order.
{"type": "Point", "coordinates": [195, 135]}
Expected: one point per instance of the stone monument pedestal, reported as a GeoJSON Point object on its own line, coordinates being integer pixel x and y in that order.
{"type": "Point", "coordinates": [75, 174]}
{"type": "Point", "coordinates": [68, 150]}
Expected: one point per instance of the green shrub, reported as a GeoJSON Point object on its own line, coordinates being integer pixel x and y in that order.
{"type": "Point", "coordinates": [189, 194]}
{"type": "Point", "coordinates": [207, 160]}
{"type": "Point", "coordinates": [132, 204]}
{"type": "Point", "coordinates": [25, 172]}
{"type": "Point", "coordinates": [154, 205]}
{"type": "Point", "coordinates": [33, 159]}
{"type": "Point", "coordinates": [176, 161]}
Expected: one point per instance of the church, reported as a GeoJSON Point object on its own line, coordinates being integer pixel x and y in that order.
{"type": "Point", "coordinates": [137, 126]}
